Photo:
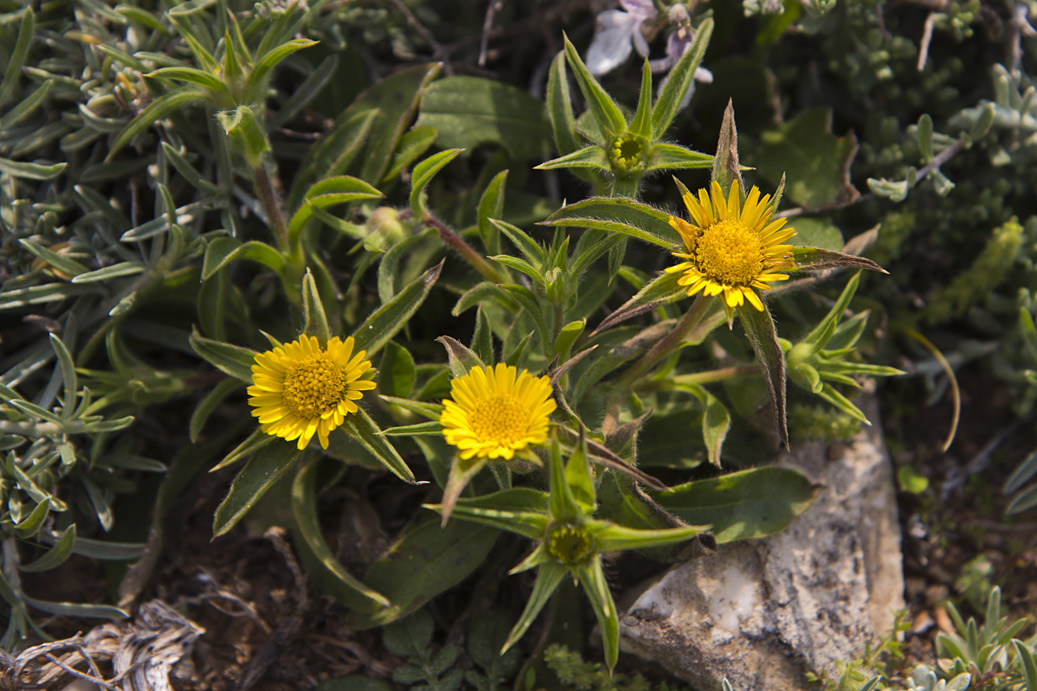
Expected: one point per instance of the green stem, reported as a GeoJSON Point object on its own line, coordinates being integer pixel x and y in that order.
{"type": "Point", "coordinates": [40, 429]}
{"type": "Point", "coordinates": [699, 378]}
{"type": "Point", "coordinates": [469, 253]}
{"type": "Point", "coordinates": [272, 207]}
{"type": "Point", "coordinates": [625, 186]}
{"type": "Point", "coordinates": [667, 344]}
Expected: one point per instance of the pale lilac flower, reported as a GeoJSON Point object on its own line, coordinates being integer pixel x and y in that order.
{"type": "Point", "coordinates": [618, 32]}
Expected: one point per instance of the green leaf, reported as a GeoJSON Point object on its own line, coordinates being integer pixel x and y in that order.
{"type": "Point", "coordinates": [759, 327]}
{"type": "Point", "coordinates": [396, 373]}
{"type": "Point", "coordinates": [330, 572]}
{"type": "Point", "coordinates": [491, 205]}
{"type": "Point", "coordinates": [592, 578]}
{"type": "Point", "coordinates": [742, 505]}
{"type": "Point", "coordinates": [255, 441]}
{"type": "Point", "coordinates": [266, 63]}
{"type": "Point", "coordinates": [253, 481]}
{"type": "Point", "coordinates": [681, 77]}
{"type": "Point", "coordinates": [725, 164]}
{"type": "Point", "coordinates": [608, 115]}
{"type": "Point", "coordinates": [619, 215]}
{"type": "Point", "coordinates": [816, 161]}
{"type": "Point", "coordinates": [315, 320]}
{"type": "Point", "coordinates": [461, 358]}
{"type": "Point", "coordinates": [68, 374]}
{"type": "Point", "coordinates": [120, 270]}
{"type": "Point", "coordinates": [815, 232]}
{"type": "Point", "coordinates": [925, 137]}
{"type": "Point", "coordinates": [424, 561]}
{"type": "Point", "coordinates": [641, 125]}
{"type": "Point", "coordinates": [529, 247]}
{"type": "Point", "coordinates": [519, 510]}
{"type": "Point", "coordinates": [661, 290]}
{"type": "Point", "coordinates": [226, 357]}
{"type": "Point", "coordinates": [716, 421]}
{"type": "Point", "coordinates": [618, 537]}
{"type": "Point", "coordinates": [462, 471]}
{"type": "Point", "coordinates": [159, 108]}
{"type": "Point", "coordinates": [422, 175]}
{"type": "Point", "coordinates": [567, 337]}
{"type": "Point", "coordinates": [31, 171]}
{"type": "Point", "coordinates": [31, 524]}
{"type": "Point", "coordinates": [548, 578]}
{"type": "Point", "coordinates": [27, 106]}
{"type": "Point", "coordinates": [365, 430]}
{"type": "Point", "coordinates": [341, 189]}
{"type": "Point", "coordinates": [676, 157]}
{"type": "Point", "coordinates": [56, 555]}
{"type": "Point", "coordinates": [469, 111]}
{"type": "Point", "coordinates": [412, 145]}
{"type": "Point", "coordinates": [379, 328]}
{"type": "Point", "coordinates": [193, 75]}
{"type": "Point", "coordinates": [816, 259]}
{"type": "Point", "coordinates": [592, 156]}
{"type": "Point", "coordinates": [73, 609]}
{"type": "Point", "coordinates": [16, 58]}
{"type": "Point", "coordinates": [559, 107]}
{"type": "Point", "coordinates": [222, 251]}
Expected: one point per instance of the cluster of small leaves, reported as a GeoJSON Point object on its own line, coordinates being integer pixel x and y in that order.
{"type": "Point", "coordinates": [986, 655]}
{"type": "Point", "coordinates": [575, 673]}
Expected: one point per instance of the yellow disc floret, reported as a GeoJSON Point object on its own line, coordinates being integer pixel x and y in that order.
{"type": "Point", "coordinates": [731, 250]}
{"type": "Point", "coordinates": [493, 412]}
{"type": "Point", "coordinates": [301, 389]}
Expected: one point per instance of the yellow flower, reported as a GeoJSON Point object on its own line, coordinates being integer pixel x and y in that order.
{"type": "Point", "coordinates": [495, 413]}
{"type": "Point", "coordinates": [301, 389]}
{"type": "Point", "coordinates": [731, 250]}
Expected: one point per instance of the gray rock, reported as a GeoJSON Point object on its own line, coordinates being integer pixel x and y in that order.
{"type": "Point", "coordinates": [763, 613]}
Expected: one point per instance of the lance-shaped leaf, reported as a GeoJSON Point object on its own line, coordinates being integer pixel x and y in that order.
{"type": "Point", "coordinates": [548, 578]}
{"type": "Point", "coordinates": [618, 215]}
{"type": "Point", "coordinates": [422, 175]}
{"type": "Point", "coordinates": [592, 156]}
{"type": "Point", "coordinates": [159, 108]}
{"type": "Point", "coordinates": [379, 328]}
{"type": "Point", "coordinates": [253, 481]}
{"type": "Point", "coordinates": [56, 555]}
{"type": "Point", "coordinates": [676, 157]}
{"type": "Point", "coordinates": [816, 259]}
{"type": "Point", "coordinates": [491, 205]}
{"type": "Point", "coordinates": [461, 473]}
{"type": "Point", "coordinates": [520, 510]}
{"type": "Point", "coordinates": [462, 358]}
{"type": "Point", "coordinates": [222, 251]}
{"type": "Point", "coordinates": [16, 57]}
{"type": "Point", "coordinates": [746, 504]}
{"type": "Point", "coordinates": [759, 327]}
{"type": "Point", "coordinates": [725, 164]}
{"type": "Point", "coordinates": [226, 357]}
{"type": "Point", "coordinates": [680, 79]}
{"type": "Point", "coordinates": [559, 107]}
{"type": "Point", "coordinates": [592, 578]}
{"type": "Point", "coordinates": [424, 561]}
{"type": "Point", "coordinates": [716, 421]}
{"type": "Point", "coordinates": [329, 571]}
{"type": "Point", "coordinates": [365, 430]}
{"type": "Point", "coordinates": [609, 117]}
{"type": "Point", "coordinates": [661, 290]}
{"type": "Point", "coordinates": [314, 318]}
{"type": "Point", "coordinates": [341, 189]}
{"type": "Point", "coordinates": [612, 537]}
{"type": "Point", "coordinates": [267, 61]}
{"type": "Point", "coordinates": [641, 125]}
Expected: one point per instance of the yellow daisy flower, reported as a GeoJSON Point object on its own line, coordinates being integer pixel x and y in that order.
{"type": "Point", "coordinates": [732, 250]}
{"type": "Point", "coordinates": [301, 389]}
{"type": "Point", "coordinates": [495, 412]}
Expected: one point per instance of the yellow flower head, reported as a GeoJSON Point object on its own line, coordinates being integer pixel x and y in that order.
{"type": "Point", "coordinates": [731, 249]}
{"type": "Point", "coordinates": [301, 389]}
{"type": "Point", "coordinates": [494, 412]}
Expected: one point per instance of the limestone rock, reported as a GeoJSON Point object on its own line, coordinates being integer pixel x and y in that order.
{"type": "Point", "coordinates": [762, 613]}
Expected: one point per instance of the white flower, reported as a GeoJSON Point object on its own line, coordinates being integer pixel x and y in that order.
{"type": "Point", "coordinates": [619, 31]}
